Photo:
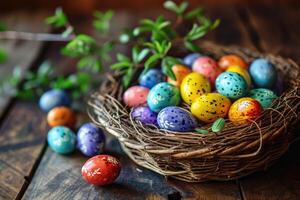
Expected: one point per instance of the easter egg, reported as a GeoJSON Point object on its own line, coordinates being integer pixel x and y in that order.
{"type": "Point", "coordinates": [229, 60]}
{"type": "Point", "coordinates": [189, 59]}
{"type": "Point", "coordinates": [264, 96]}
{"type": "Point", "coordinates": [211, 106]}
{"type": "Point", "coordinates": [207, 67]}
{"type": "Point", "coordinates": [278, 87]}
{"type": "Point", "coordinates": [90, 140]}
{"type": "Point", "coordinates": [61, 140]}
{"type": "Point", "coordinates": [163, 95]}
{"type": "Point", "coordinates": [61, 116]}
{"type": "Point", "coordinates": [193, 86]}
{"type": "Point", "coordinates": [144, 115]}
{"type": "Point", "coordinates": [101, 170]}
{"type": "Point", "coordinates": [54, 98]}
{"type": "Point", "coordinates": [263, 73]}
{"type": "Point", "coordinates": [244, 110]}
{"type": "Point", "coordinates": [151, 78]}
{"type": "Point", "coordinates": [174, 118]}
{"type": "Point", "coordinates": [135, 96]}
{"type": "Point", "coordinates": [180, 72]}
{"type": "Point", "coordinates": [241, 71]}
{"type": "Point", "coordinates": [231, 85]}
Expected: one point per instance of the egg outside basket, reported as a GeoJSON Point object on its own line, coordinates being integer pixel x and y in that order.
{"type": "Point", "coordinates": [235, 152]}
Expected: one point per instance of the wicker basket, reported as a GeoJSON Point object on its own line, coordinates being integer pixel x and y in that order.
{"type": "Point", "coordinates": [235, 152]}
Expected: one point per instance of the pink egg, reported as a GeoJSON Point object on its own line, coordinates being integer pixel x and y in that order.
{"type": "Point", "coordinates": [135, 96]}
{"type": "Point", "coordinates": [207, 67]}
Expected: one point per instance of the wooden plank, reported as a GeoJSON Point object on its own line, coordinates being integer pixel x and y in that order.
{"type": "Point", "coordinates": [277, 30]}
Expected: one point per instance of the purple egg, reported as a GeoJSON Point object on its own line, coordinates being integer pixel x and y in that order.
{"type": "Point", "coordinates": [144, 115]}
{"type": "Point", "coordinates": [174, 118]}
{"type": "Point", "coordinates": [90, 140]}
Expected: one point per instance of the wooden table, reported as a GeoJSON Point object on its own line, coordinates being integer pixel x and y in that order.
{"type": "Point", "coordinates": [29, 169]}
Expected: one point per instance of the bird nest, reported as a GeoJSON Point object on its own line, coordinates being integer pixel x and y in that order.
{"type": "Point", "coordinates": [236, 151]}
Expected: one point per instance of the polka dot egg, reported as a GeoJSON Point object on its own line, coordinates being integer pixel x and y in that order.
{"type": "Point", "coordinates": [135, 96]}
{"type": "Point", "coordinates": [264, 96]}
{"type": "Point", "coordinates": [61, 140]}
{"type": "Point", "coordinates": [163, 95]}
{"type": "Point", "coordinates": [61, 116]}
{"type": "Point", "coordinates": [54, 98]}
{"type": "Point", "coordinates": [231, 85]}
{"type": "Point", "coordinates": [241, 71]}
{"type": "Point", "coordinates": [144, 115]}
{"type": "Point", "coordinates": [151, 78]}
{"type": "Point", "coordinates": [180, 72]}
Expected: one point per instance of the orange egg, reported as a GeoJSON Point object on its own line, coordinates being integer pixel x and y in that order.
{"type": "Point", "coordinates": [61, 116]}
{"type": "Point", "coordinates": [244, 110]}
{"type": "Point", "coordinates": [180, 72]}
{"type": "Point", "coordinates": [229, 60]}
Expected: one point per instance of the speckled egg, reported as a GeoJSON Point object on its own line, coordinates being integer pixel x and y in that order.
{"type": "Point", "coordinates": [180, 72]}
{"type": "Point", "coordinates": [54, 98]}
{"type": "Point", "coordinates": [264, 96]}
{"type": "Point", "coordinates": [193, 86]}
{"type": "Point", "coordinates": [163, 95]}
{"type": "Point", "coordinates": [151, 78]}
{"type": "Point", "coordinates": [135, 96]}
{"type": "Point", "coordinates": [189, 59]}
{"type": "Point", "coordinates": [229, 60]}
{"type": "Point", "coordinates": [90, 140]}
{"type": "Point", "coordinates": [101, 170]}
{"type": "Point", "coordinates": [241, 71]}
{"type": "Point", "coordinates": [263, 73]}
{"type": "Point", "coordinates": [211, 106]}
{"type": "Point", "coordinates": [207, 67]}
{"type": "Point", "coordinates": [231, 85]}
{"type": "Point", "coordinates": [144, 115]}
{"type": "Point", "coordinates": [61, 116]}
{"type": "Point", "coordinates": [61, 140]}
{"type": "Point", "coordinates": [177, 119]}
{"type": "Point", "coordinates": [244, 110]}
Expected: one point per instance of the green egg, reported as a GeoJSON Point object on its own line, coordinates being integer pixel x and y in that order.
{"type": "Point", "coordinates": [264, 96]}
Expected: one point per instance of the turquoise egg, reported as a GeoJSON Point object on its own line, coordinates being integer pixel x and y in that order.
{"type": "Point", "coordinates": [263, 73]}
{"type": "Point", "coordinates": [163, 95]}
{"type": "Point", "coordinates": [61, 140]}
{"type": "Point", "coordinates": [264, 96]}
{"type": "Point", "coordinates": [231, 85]}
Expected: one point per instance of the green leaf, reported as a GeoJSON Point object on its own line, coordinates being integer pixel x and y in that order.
{"type": "Point", "coordinates": [194, 13]}
{"type": "Point", "coordinates": [192, 47]}
{"type": "Point", "coordinates": [128, 76]}
{"type": "Point", "coordinates": [67, 32]}
{"type": "Point", "coordinates": [102, 20]}
{"type": "Point", "coordinates": [3, 56]}
{"type": "Point", "coordinates": [121, 65]}
{"type": "Point", "coordinates": [122, 58]}
{"type": "Point", "coordinates": [167, 64]}
{"type": "Point", "coordinates": [152, 61]}
{"type": "Point", "coordinates": [45, 69]}
{"type": "Point", "coordinates": [170, 5]}
{"type": "Point", "coordinates": [182, 7]}
{"type": "Point", "coordinates": [142, 55]}
{"type": "Point", "coordinates": [218, 125]}
{"type": "Point", "coordinates": [135, 54]}
{"type": "Point", "coordinates": [202, 131]}
{"type": "Point", "coordinates": [2, 27]}
{"type": "Point", "coordinates": [82, 45]}
{"type": "Point", "coordinates": [216, 24]}
{"type": "Point", "coordinates": [59, 19]}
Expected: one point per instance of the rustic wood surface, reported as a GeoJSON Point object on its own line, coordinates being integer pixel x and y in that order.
{"type": "Point", "coordinates": [31, 170]}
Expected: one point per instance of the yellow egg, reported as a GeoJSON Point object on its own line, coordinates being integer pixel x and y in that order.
{"type": "Point", "coordinates": [242, 71]}
{"type": "Point", "coordinates": [193, 86]}
{"type": "Point", "coordinates": [211, 106]}
{"type": "Point", "coordinates": [180, 72]}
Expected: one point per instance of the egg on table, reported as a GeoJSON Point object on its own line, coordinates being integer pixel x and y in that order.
{"type": "Point", "coordinates": [61, 116]}
{"type": "Point", "coordinates": [242, 71]}
{"type": "Point", "coordinates": [244, 110]}
{"type": "Point", "coordinates": [263, 73]}
{"type": "Point", "coordinates": [177, 119]}
{"type": "Point", "coordinates": [101, 170]}
{"type": "Point", "coordinates": [144, 115]}
{"type": "Point", "coordinates": [54, 98]}
{"type": "Point", "coordinates": [229, 60]}
{"type": "Point", "coordinates": [207, 67]}
{"type": "Point", "coordinates": [135, 96]}
{"type": "Point", "coordinates": [189, 59]}
{"type": "Point", "coordinates": [180, 72]}
{"type": "Point", "coordinates": [193, 86]}
{"type": "Point", "coordinates": [163, 95]}
{"type": "Point", "coordinates": [264, 96]}
{"type": "Point", "coordinates": [61, 140]}
{"type": "Point", "coordinates": [151, 78]}
{"type": "Point", "coordinates": [231, 85]}
{"type": "Point", "coordinates": [210, 106]}
{"type": "Point", "coordinates": [90, 140]}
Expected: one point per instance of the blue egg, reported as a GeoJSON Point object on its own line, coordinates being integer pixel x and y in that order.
{"type": "Point", "coordinates": [151, 78]}
{"type": "Point", "coordinates": [190, 59]}
{"type": "Point", "coordinates": [144, 115]}
{"type": "Point", "coordinates": [264, 96]}
{"type": "Point", "coordinates": [263, 73]}
{"type": "Point", "coordinates": [174, 118]}
{"type": "Point", "coordinates": [54, 98]}
{"type": "Point", "coordinates": [90, 140]}
{"type": "Point", "coordinates": [61, 140]}
{"type": "Point", "coordinates": [231, 85]}
{"type": "Point", "coordinates": [163, 95]}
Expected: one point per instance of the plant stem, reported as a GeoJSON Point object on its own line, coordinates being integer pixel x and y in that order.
{"type": "Point", "coordinates": [15, 35]}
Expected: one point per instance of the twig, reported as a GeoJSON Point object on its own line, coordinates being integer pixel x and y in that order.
{"type": "Point", "coordinates": [15, 35]}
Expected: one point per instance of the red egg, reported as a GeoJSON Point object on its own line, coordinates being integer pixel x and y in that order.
{"type": "Point", "coordinates": [101, 170]}
{"type": "Point", "coordinates": [135, 96]}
